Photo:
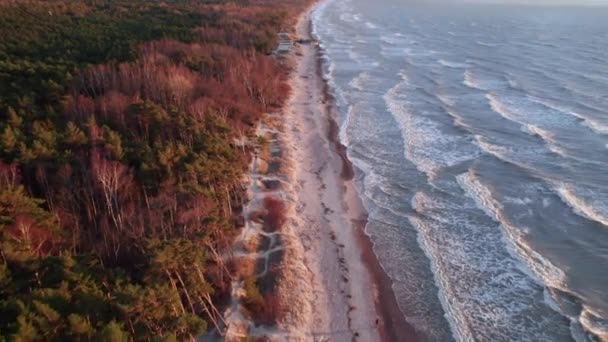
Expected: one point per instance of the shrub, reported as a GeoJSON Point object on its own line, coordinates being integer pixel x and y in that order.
{"type": "Point", "coordinates": [275, 214]}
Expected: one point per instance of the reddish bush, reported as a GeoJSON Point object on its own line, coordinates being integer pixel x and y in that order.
{"type": "Point", "coordinates": [271, 310]}
{"type": "Point", "coordinates": [275, 214]}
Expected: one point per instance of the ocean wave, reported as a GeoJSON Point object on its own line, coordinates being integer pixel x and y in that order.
{"type": "Point", "coordinates": [556, 294]}
{"type": "Point", "coordinates": [481, 194]}
{"type": "Point", "coordinates": [520, 157]}
{"type": "Point", "coordinates": [596, 126]}
{"type": "Point", "coordinates": [350, 17]}
{"type": "Point", "coordinates": [346, 17]}
{"type": "Point", "coordinates": [542, 269]}
{"type": "Point", "coordinates": [458, 120]}
{"type": "Point", "coordinates": [470, 81]}
{"type": "Point", "coordinates": [498, 151]}
{"type": "Point", "coordinates": [426, 145]}
{"type": "Point", "coordinates": [593, 124]}
{"type": "Point", "coordinates": [446, 100]}
{"type": "Point", "coordinates": [577, 331]}
{"type": "Point", "coordinates": [378, 192]}
{"type": "Point", "coordinates": [545, 135]}
{"type": "Point", "coordinates": [586, 203]}
{"type": "Point", "coordinates": [397, 39]}
{"type": "Point", "coordinates": [454, 65]}
{"type": "Point", "coordinates": [532, 263]}
{"type": "Point", "coordinates": [394, 51]}
{"type": "Point", "coordinates": [537, 131]}
{"type": "Point", "coordinates": [594, 323]}
{"type": "Point", "coordinates": [343, 132]}
{"type": "Point", "coordinates": [472, 267]}
{"type": "Point", "coordinates": [360, 60]}
{"type": "Point", "coordinates": [458, 324]}
{"type": "Point", "coordinates": [360, 80]}
{"type": "Point", "coordinates": [596, 77]}
{"type": "Point", "coordinates": [483, 78]}
{"type": "Point", "coordinates": [488, 269]}
{"type": "Point", "coordinates": [486, 44]}
{"type": "Point", "coordinates": [316, 17]}
{"type": "Point", "coordinates": [354, 56]}
{"type": "Point", "coordinates": [502, 109]}
{"type": "Point", "coordinates": [419, 52]}
{"type": "Point", "coordinates": [370, 25]}
{"type": "Point", "coordinates": [512, 82]}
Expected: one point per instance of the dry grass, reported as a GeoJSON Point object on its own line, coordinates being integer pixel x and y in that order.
{"type": "Point", "coordinates": [252, 244]}
{"type": "Point", "coordinates": [243, 267]}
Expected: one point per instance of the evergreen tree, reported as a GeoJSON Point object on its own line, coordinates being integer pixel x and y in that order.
{"type": "Point", "coordinates": [14, 120]}
{"type": "Point", "coordinates": [8, 141]}
{"type": "Point", "coordinates": [74, 135]}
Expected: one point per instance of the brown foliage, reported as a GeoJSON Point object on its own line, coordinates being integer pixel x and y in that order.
{"type": "Point", "coordinates": [272, 310]}
{"type": "Point", "coordinates": [108, 203]}
{"type": "Point", "coordinates": [275, 218]}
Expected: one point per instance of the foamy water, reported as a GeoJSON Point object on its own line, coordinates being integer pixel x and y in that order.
{"type": "Point", "coordinates": [480, 138]}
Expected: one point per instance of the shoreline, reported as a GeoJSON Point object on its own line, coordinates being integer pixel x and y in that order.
{"type": "Point", "coordinates": [394, 326]}
{"type": "Point", "coordinates": [364, 291]}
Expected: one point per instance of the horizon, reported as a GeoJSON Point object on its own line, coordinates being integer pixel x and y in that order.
{"type": "Point", "coordinates": [538, 3]}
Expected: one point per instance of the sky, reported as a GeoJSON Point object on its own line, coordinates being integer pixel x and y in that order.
{"type": "Point", "coordinates": [545, 2]}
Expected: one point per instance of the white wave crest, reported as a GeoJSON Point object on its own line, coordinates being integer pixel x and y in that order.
{"type": "Point", "coordinates": [594, 323]}
{"type": "Point", "coordinates": [370, 25]}
{"type": "Point", "coordinates": [537, 131]}
{"type": "Point", "coordinates": [453, 65]}
{"type": "Point", "coordinates": [465, 253]}
{"type": "Point", "coordinates": [426, 145]}
{"type": "Point", "coordinates": [596, 126]}
{"type": "Point", "coordinates": [542, 269]}
{"type": "Point", "coordinates": [589, 205]}
{"type": "Point", "coordinates": [446, 100]}
{"type": "Point", "coordinates": [593, 124]}
{"type": "Point", "coordinates": [360, 80]}
{"type": "Point", "coordinates": [500, 108]}
{"type": "Point", "coordinates": [470, 81]}
{"type": "Point", "coordinates": [532, 129]}
{"type": "Point", "coordinates": [486, 44]}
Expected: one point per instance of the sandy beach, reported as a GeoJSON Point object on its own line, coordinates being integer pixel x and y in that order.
{"type": "Point", "coordinates": [330, 285]}
{"type": "Point", "coordinates": [337, 298]}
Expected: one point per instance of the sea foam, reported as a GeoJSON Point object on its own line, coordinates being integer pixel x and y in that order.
{"type": "Point", "coordinates": [472, 267]}
{"type": "Point", "coordinates": [426, 145]}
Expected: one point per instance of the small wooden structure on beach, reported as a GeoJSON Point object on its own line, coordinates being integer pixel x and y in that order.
{"type": "Point", "coordinates": [284, 45]}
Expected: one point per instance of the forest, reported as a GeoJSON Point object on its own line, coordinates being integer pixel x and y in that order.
{"type": "Point", "coordinates": [120, 179]}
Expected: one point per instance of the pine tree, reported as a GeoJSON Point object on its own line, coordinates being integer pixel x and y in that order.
{"type": "Point", "coordinates": [8, 141]}
{"type": "Point", "coordinates": [113, 332]}
{"type": "Point", "coordinates": [74, 135]}
{"type": "Point", "coordinates": [14, 120]}
{"type": "Point", "coordinates": [113, 143]}
{"type": "Point", "coordinates": [79, 326]}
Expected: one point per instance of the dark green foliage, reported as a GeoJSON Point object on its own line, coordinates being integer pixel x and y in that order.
{"type": "Point", "coordinates": [43, 45]}
{"type": "Point", "coordinates": [117, 164]}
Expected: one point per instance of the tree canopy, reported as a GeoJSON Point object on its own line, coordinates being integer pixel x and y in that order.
{"type": "Point", "coordinates": [118, 171]}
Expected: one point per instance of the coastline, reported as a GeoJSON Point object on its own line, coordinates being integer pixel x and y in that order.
{"type": "Point", "coordinates": [351, 295]}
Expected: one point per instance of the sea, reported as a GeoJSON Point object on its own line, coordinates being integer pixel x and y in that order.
{"type": "Point", "coordinates": [479, 133]}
